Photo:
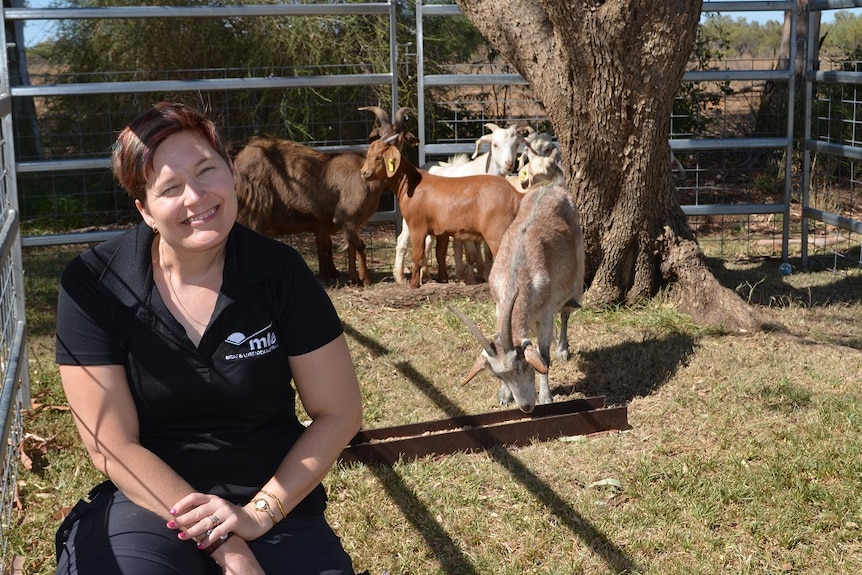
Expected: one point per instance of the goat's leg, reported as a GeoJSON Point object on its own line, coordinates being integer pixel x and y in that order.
{"type": "Point", "coordinates": [459, 250]}
{"type": "Point", "coordinates": [474, 262]}
{"type": "Point", "coordinates": [356, 255]}
{"type": "Point", "coordinates": [417, 243]}
{"type": "Point", "coordinates": [401, 245]}
{"type": "Point", "coordinates": [429, 244]}
{"type": "Point", "coordinates": [545, 336]}
{"type": "Point", "coordinates": [442, 248]}
{"type": "Point", "coordinates": [325, 263]}
{"type": "Point", "coordinates": [504, 396]}
{"type": "Point", "coordinates": [487, 261]}
{"type": "Point", "coordinates": [563, 342]}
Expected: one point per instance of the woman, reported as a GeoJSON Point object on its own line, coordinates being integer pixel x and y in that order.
{"type": "Point", "coordinates": [177, 343]}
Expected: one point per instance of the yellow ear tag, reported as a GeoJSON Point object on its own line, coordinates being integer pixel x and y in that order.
{"type": "Point", "coordinates": [390, 164]}
{"type": "Point", "coordinates": [522, 175]}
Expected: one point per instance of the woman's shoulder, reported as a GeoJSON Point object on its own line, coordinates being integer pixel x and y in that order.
{"type": "Point", "coordinates": [252, 257]}
{"type": "Point", "coordinates": [118, 264]}
{"type": "Point", "coordinates": [262, 250]}
{"type": "Point", "coordinates": [100, 256]}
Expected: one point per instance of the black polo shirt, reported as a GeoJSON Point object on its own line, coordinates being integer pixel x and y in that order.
{"type": "Point", "coordinates": [223, 414]}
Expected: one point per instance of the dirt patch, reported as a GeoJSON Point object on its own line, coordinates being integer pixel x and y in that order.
{"type": "Point", "coordinates": [397, 296]}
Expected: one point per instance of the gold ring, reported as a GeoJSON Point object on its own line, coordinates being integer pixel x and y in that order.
{"type": "Point", "coordinates": [216, 521]}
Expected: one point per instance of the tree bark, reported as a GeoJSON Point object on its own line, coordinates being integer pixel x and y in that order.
{"type": "Point", "coordinates": [607, 73]}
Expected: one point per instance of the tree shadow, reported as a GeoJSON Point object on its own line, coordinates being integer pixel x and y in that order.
{"type": "Point", "coordinates": [453, 560]}
{"type": "Point", "coordinates": [762, 284]}
{"type": "Point", "coordinates": [376, 348]}
{"type": "Point", "coordinates": [634, 368]}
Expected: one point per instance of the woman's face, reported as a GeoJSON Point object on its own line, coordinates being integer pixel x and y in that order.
{"type": "Point", "coordinates": [191, 196]}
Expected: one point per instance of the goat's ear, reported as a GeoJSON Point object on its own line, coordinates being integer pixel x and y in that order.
{"type": "Point", "coordinates": [392, 159]}
{"type": "Point", "coordinates": [486, 139]}
{"type": "Point", "coordinates": [534, 358]}
{"type": "Point", "coordinates": [480, 364]}
{"type": "Point", "coordinates": [491, 127]}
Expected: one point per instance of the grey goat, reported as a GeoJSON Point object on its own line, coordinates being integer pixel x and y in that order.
{"type": "Point", "coordinates": [537, 272]}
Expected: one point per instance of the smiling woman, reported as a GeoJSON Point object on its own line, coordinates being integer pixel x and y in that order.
{"type": "Point", "coordinates": [194, 424]}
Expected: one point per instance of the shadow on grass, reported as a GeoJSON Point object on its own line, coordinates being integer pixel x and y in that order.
{"type": "Point", "coordinates": [762, 284]}
{"type": "Point", "coordinates": [633, 369]}
{"type": "Point", "coordinates": [452, 558]}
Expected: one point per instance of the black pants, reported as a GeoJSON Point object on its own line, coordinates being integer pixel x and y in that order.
{"type": "Point", "coordinates": [110, 535]}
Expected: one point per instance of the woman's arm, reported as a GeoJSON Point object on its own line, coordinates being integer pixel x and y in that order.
{"type": "Point", "coordinates": [326, 382]}
{"type": "Point", "coordinates": [107, 420]}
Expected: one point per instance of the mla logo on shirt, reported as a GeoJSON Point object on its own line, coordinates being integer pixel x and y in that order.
{"type": "Point", "coordinates": [259, 343]}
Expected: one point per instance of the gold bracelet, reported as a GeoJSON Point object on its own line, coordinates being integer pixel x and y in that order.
{"type": "Point", "coordinates": [277, 502]}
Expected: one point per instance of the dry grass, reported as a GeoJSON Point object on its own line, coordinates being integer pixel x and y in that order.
{"type": "Point", "coordinates": [743, 457]}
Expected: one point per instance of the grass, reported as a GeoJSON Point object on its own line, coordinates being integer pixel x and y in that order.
{"type": "Point", "coordinates": [743, 457]}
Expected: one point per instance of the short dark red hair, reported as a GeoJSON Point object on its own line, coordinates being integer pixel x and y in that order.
{"type": "Point", "coordinates": [132, 156]}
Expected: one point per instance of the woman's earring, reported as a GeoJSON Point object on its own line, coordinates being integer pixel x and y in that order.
{"type": "Point", "coordinates": [155, 230]}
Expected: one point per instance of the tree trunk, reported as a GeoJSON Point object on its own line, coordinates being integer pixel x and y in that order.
{"type": "Point", "coordinates": [607, 73]}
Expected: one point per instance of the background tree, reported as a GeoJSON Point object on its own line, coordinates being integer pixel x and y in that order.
{"type": "Point", "coordinates": [607, 73]}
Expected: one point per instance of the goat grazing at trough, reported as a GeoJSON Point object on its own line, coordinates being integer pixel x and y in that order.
{"type": "Point", "coordinates": [476, 208]}
{"type": "Point", "coordinates": [500, 159]}
{"type": "Point", "coordinates": [538, 271]}
{"type": "Point", "coordinates": [285, 188]}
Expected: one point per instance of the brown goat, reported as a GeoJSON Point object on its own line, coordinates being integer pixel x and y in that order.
{"type": "Point", "coordinates": [285, 188]}
{"type": "Point", "coordinates": [475, 208]}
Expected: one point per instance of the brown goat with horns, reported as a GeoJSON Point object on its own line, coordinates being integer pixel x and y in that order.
{"type": "Point", "coordinates": [286, 188]}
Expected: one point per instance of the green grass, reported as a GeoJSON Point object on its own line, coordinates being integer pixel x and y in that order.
{"type": "Point", "coordinates": [743, 457]}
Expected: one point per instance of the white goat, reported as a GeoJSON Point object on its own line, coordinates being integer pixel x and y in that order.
{"type": "Point", "coordinates": [538, 271]}
{"type": "Point", "coordinates": [539, 144]}
{"type": "Point", "coordinates": [499, 160]}
{"type": "Point", "coordinates": [539, 170]}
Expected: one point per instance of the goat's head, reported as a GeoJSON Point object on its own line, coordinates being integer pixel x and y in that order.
{"type": "Point", "coordinates": [503, 143]}
{"type": "Point", "coordinates": [541, 170]}
{"type": "Point", "coordinates": [382, 160]}
{"type": "Point", "coordinates": [388, 128]}
{"type": "Point", "coordinates": [515, 365]}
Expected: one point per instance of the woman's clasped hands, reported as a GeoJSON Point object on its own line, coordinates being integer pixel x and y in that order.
{"type": "Point", "coordinates": [220, 529]}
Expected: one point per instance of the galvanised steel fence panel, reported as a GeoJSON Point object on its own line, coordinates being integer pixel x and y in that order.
{"type": "Point", "coordinates": [236, 81]}
{"type": "Point", "coordinates": [14, 376]}
{"type": "Point", "coordinates": [699, 191]}
{"type": "Point", "coordinates": [832, 159]}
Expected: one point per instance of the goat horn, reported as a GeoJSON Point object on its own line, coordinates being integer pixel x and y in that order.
{"type": "Point", "coordinates": [535, 359]}
{"type": "Point", "coordinates": [506, 328]}
{"type": "Point", "coordinates": [382, 115]}
{"type": "Point", "coordinates": [401, 114]}
{"type": "Point", "coordinates": [478, 365]}
{"type": "Point", "coordinates": [474, 329]}
{"type": "Point", "coordinates": [392, 139]}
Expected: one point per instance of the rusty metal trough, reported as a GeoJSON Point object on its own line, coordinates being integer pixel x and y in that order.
{"type": "Point", "coordinates": [467, 433]}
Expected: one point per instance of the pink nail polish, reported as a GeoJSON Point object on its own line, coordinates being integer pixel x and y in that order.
{"type": "Point", "coordinates": [173, 511]}
{"type": "Point", "coordinates": [182, 535]}
{"type": "Point", "coordinates": [172, 524]}
{"type": "Point", "coordinates": [201, 545]}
